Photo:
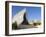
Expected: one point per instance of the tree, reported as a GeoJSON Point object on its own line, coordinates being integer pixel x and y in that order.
{"type": "Point", "coordinates": [14, 25]}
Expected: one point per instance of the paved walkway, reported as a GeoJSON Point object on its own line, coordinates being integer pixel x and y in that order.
{"type": "Point", "coordinates": [26, 26]}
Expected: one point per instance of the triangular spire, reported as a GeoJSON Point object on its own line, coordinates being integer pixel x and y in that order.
{"type": "Point", "coordinates": [19, 16]}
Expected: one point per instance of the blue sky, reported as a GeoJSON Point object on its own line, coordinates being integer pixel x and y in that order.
{"type": "Point", "coordinates": [33, 13]}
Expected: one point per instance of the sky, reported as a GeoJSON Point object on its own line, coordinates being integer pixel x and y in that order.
{"type": "Point", "coordinates": [32, 13]}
